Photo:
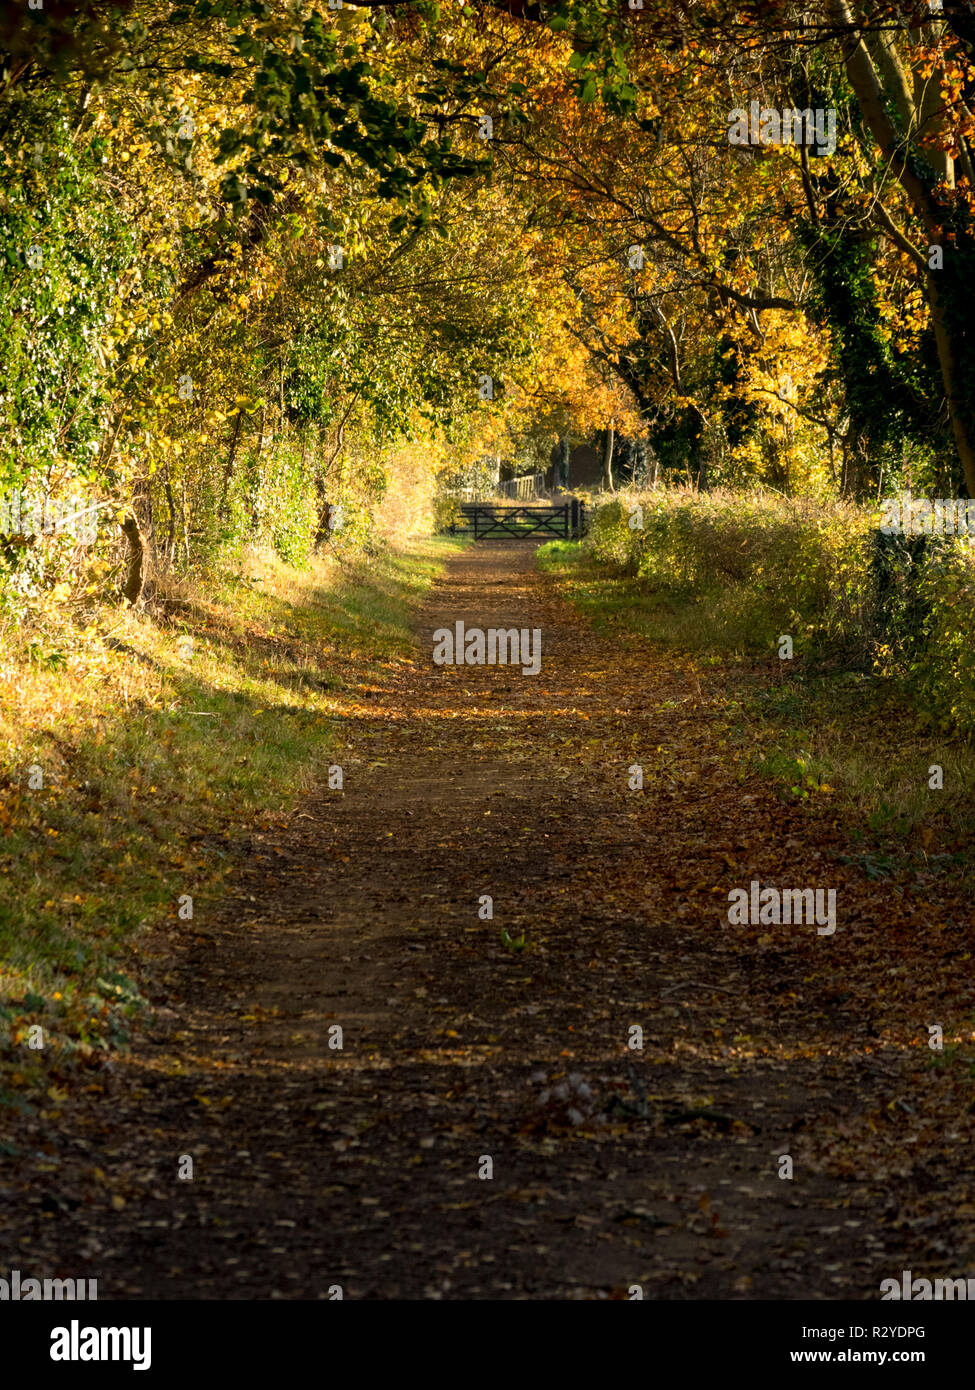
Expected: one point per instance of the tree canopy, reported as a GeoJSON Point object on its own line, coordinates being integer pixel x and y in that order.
{"type": "Point", "coordinates": [254, 249]}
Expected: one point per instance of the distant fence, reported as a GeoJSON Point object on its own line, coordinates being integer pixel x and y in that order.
{"type": "Point", "coordinates": [524, 488]}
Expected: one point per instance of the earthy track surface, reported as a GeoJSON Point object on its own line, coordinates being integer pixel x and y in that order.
{"type": "Point", "coordinates": [315, 1167]}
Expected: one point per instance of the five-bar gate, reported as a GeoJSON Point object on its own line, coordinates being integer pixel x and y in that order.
{"type": "Point", "coordinates": [495, 521]}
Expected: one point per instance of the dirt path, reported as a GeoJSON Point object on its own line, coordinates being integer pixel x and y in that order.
{"type": "Point", "coordinates": [315, 1167]}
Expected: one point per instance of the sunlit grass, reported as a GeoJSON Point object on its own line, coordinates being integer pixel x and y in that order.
{"type": "Point", "coordinates": [152, 735]}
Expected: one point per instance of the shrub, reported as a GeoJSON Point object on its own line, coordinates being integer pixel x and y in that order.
{"type": "Point", "coordinates": [756, 566]}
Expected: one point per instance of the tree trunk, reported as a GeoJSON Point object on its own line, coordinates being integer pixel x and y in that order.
{"type": "Point", "coordinates": [948, 361]}
{"type": "Point", "coordinates": [255, 495]}
{"type": "Point", "coordinates": [228, 472]}
{"type": "Point", "coordinates": [608, 457]}
{"type": "Point", "coordinates": [699, 453]}
{"type": "Point", "coordinates": [135, 560]}
{"type": "Point", "coordinates": [653, 470]}
{"type": "Point", "coordinates": [186, 526]}
{"type": "Point", "coordinates": [171, 505]}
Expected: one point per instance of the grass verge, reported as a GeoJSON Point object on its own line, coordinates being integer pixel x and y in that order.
{"type": "Point", "coordinates": [132, 744]}
{"type": "Point", "coordinates": [817, 731]}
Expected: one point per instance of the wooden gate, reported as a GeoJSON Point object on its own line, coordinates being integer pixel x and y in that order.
{"type": "Point", "coordinates": [495, 521]}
